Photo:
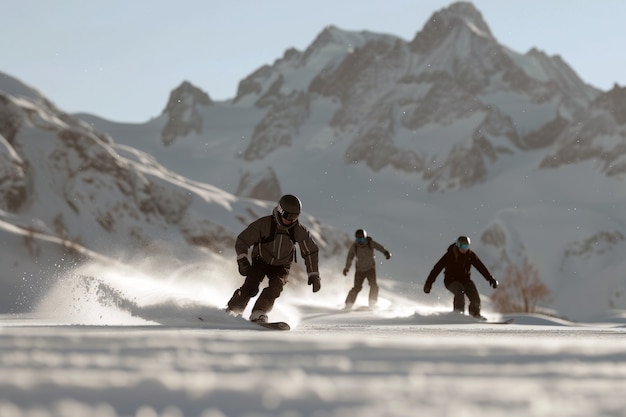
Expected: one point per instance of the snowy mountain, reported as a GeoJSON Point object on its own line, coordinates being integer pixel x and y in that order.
{"type": "Point", "coordinates": [416, 141]}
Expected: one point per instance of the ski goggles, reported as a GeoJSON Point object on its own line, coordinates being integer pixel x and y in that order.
{"type": "Point", "coordinates": [463, 246]}
{"type": "Point", "coordinates": [292, 217]}
{"type": "Point", "coordinates": [360, 240]}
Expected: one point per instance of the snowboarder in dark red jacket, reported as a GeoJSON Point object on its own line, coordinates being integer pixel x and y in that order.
{"type": "Point", "coordinates": [457, 262]}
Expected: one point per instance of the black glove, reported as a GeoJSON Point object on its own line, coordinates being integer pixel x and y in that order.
{"type": "Point", "coordinates": [387, 254]}
{"type": "Point", "coordinates": [345, 271]}
{"type": "Point", "coordinates": [244, 266]}
{"type": "Point", "coordinates": [493, 282]}
{"type": "Point", "coordinates": [314, 280]}
{"type": "Point", "coordinates": [427, 287]}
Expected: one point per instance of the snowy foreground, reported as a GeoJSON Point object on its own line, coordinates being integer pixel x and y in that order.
{"type": "Point", "coordinates": [363, 363]}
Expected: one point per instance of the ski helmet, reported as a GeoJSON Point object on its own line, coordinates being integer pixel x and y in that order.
{"type": "Point", "coordinates": [289, 207]}
{"type": "Point", "coordinates": [361, 236]}
{"type": "Point", "coordinates": [463, 242]}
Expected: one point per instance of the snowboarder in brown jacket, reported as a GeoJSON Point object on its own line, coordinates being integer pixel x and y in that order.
{"type": "Point", "coordinates": [457, 262]}
{"type": "Point", "coordinates": [364, 267]}
{"type": "Point", "coordinates": [273, 240]}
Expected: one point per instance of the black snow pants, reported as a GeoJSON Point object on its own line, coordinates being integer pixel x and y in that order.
{"type": "Point", "coordinates": [277, 276]}
{"type": "Point", "coordinates": [460, 289]}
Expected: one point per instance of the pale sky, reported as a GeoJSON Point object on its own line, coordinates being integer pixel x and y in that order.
{"type": "Point", "coordinates": [120, 59]}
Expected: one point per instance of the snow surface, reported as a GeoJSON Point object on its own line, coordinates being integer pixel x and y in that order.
{"type": "Point", "coordinates": [129, 345]}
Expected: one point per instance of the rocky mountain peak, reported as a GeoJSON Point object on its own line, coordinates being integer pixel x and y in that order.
{"type": "Point", "coordinates": [458, 17]}
{"type": "Point", "coordinates": [337, 44]}
{"type": "Point", "coordinates": [614, 102]}
{"type": "Point", "coordinates": [330, 34]}
{"type": "Point", "coordinates": [182, 111]}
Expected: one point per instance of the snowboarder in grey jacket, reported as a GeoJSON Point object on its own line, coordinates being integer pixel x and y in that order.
{"type": "Point", "coordinates": [273, 240]}
{"type": "Point", "coordinates": [457, 261]}
{"type": "Point", "coordinates": [364, 267]}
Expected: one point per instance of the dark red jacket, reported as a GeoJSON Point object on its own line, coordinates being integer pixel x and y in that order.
{"type": "Point", "coordinates": [456, 266]}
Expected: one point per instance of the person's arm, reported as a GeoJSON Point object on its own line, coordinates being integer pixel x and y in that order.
{"type": "Point", "coordinates": [309, 250]}
{"type": "Point", "coordinates": [435, 272]}
{"type": "Point", "coordinates": [480, 267]}
{"type": "Point", "coordinates": [381, 249]}
{"type": "Point", "coordinates": [248, 237]}
{"type": "Point", "coordinates": [310, 253]}
{"type": "Point", "coordinates": [349, 258]}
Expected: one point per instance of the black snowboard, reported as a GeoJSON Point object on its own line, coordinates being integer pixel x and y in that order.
{"type": "Point", "coordinates": [507, 321]}
{"type": "Point", "coordinates": [277, 325]}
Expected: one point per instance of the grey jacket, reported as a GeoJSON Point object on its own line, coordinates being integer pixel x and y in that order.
{"type": "Point", "coordinates": [365, 258]}
{"type": "Point", "coordinates": [280, 250]}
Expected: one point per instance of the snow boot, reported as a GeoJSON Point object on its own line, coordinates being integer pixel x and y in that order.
{"type": "Point", "coordinates": [479, 317]}
{"type": "Point", "coordinates": [258, 316]}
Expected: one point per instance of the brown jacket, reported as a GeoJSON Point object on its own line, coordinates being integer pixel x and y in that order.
{"type": "Point", "coordinates": [281, 249]}
{"type": "Point", "coordinates": [365, 258]}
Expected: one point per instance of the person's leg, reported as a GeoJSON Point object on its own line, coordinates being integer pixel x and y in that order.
{"type": "Point", "coordinates": [457, 289]}
{"type": "Point", "coordinates": [359, 277]}
{"type": "Point", "coordinates": [474, 299]}
{"type": "Point", "coordinates": [277, 277]}
{"type": "Point", "coordinates": [372, 281]}
{"type": "Point", "coordinates": [250, 288]}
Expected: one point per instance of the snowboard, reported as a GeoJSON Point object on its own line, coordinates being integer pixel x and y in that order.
{"type": "Point", "coordinates": [507, 321]}
{"type": "Point", "coordinates": [276, 325]}
{"type": "Point", "coordinates": [456, 318]}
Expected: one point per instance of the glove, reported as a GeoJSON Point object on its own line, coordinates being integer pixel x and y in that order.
{"type": "Point", "coordinates": [244, 266]}
{"type": "Point", "coordinates": [427, 287]}
{"type": "Point", "coordinates": [345, 271]}
{"type": "Point", "coordinates": [493, 282]}
{"type": "Point", "coordinates": [314, 280]}
{"type": "Point", "coordinates": [387, 254]}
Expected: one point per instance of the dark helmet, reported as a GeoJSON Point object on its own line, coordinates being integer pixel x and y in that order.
{"type": "Point", "coordinates": [361, 236]}
{"type": "Point", "coordinates": [289, 207]}
{"type": "Point", "coordinates": [463, 242]}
